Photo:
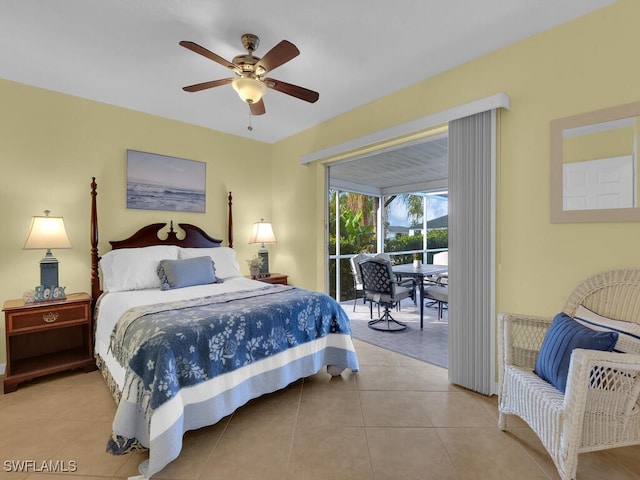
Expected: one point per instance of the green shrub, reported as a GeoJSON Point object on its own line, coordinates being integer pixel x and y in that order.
{"type": "Point", "coordinates": [363, 241]}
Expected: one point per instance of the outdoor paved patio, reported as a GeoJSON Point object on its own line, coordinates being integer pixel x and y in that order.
{"type": "Point", "coordinates": [429, 345]}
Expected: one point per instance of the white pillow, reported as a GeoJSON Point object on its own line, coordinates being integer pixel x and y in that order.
{"type": "Point", "coordinates": [134, 268]}
{"type": "Point", "coordinates": [628, 332]}
{"type": "Point", "coordinates": [224, 259]}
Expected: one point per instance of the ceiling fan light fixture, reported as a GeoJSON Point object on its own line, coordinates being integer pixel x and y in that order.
{"type": "Point", "coordinates": [250, 90]}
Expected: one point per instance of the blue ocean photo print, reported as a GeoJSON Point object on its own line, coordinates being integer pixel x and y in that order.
{"type": "Point", "coordinates": [160, 182]}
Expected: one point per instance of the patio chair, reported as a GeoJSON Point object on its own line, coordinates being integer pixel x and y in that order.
{"type": "Point", "coordinates": [599, 408]}
{"type": "Point", "coordinates": [437, 294]}
{"type": "Point", "coordinates": [357, 278]}
{"type": "Point", "coordinates": [441, 295]}
{"type": "Point", "coordinates": [380, 286]}
{"type": "Point", "coordinates": [440, 258]}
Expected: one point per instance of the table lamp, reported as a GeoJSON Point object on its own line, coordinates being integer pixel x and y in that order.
{"type": "Point", "coordinates": [47, 233]}
{"type": "Point", "coordinates": [263, 233]}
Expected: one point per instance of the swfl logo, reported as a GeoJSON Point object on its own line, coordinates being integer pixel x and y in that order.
{"type": "Point", "coordinates": [45, 466]}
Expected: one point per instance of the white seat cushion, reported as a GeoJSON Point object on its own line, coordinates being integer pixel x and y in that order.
{"type": "Point", "coordinates": [439, 293]}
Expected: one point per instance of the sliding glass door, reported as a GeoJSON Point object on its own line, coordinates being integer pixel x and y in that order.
{"type": "Point", "coordinates": [394, 224]}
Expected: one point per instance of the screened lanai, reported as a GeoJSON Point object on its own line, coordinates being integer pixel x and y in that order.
{"type": "Point", "coordinates": [393, 200]}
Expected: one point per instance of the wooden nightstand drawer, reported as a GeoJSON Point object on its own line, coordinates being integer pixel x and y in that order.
{"type": "Point", "coordinates": [43, 316]}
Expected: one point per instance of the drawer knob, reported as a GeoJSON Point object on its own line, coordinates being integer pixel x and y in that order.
{"type": "Point", "coordinates": [50, 317]}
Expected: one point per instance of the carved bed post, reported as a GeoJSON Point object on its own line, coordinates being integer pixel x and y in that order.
{"type": "Point", "coordinates": [230, 221]}
{"type": "Point", "coordinates": [95, 280]}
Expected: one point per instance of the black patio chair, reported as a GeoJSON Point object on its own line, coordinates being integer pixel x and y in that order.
{"type": "Point", "coordinates": [380, 286]}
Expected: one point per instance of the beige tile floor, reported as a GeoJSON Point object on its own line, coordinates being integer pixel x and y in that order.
{"type": "Point", "coordinates": [398, 418]}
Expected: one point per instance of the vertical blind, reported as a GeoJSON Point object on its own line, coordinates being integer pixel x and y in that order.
{"type": "Point", "coordinates": [471, 252]}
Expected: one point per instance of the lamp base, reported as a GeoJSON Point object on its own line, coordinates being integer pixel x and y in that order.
{"type": "Point", "coordinates": [49, 272]}
{"type": "Point", "coordinates": [264, 269]}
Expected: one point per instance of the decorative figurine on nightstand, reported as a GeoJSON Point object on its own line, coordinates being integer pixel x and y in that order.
{"type": "Point", "coordinates": [42, 294]}
{"type": "Point", "coordinates": [58, 293]}
{"type": "Point", "coordinates": [38, 293]}
{"type": "Point", "coordinates": [29, 296]}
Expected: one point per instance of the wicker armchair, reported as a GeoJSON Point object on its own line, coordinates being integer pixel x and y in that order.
{"type": "Point", "coordinates": [600, 408]}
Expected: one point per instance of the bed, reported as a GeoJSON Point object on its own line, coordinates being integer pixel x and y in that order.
{"type": "Point", "coordinates": [183, 339]}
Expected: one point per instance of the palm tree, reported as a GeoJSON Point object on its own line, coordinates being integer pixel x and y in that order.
{"type": "Point", "coordinates": [415, 206]}
{"type": "Point", "coordinates": [356, 203]}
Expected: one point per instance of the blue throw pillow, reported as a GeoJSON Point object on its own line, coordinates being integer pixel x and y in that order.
{"type": "Point", "coordinates": [563, 336]}
{"type": "Point", "coordinates": [186, 273]}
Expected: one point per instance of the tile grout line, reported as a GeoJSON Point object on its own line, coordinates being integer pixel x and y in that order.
{"type": "Point", "coordinates": [364, 427]}
{"type": "Point", "coordinates": [295, 428]}
{"type": "Point", "coordinates": [201, 473]}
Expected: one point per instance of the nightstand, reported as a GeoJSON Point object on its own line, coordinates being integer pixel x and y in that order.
{"type": "Point", "coordinates": [47, 337]}
{"type": "Point", "coordinates": [273, 278]}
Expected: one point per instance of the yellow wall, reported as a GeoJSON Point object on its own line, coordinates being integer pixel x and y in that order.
{"type": "Point", "coordinates": [51, 145]}
{"type": "Point", "coordinates": [585, 65]}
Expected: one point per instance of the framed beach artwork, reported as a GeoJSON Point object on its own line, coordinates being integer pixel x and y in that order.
{"type": "Point", "coordinates": [160, 182]}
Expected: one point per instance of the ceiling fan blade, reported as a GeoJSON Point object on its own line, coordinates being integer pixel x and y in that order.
{"type": "Point", "coordinates": [203, 86]}
{"type": "Point", "coordinates": [194, 47]}
{"type": "Point", "coordinates": [257, 108]}
{"type": "Point", "coordinates": [293, 90]}
{"type": "Point", "coordinates": [281, 53]}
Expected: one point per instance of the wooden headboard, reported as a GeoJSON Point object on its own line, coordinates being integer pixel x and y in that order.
{"type": "Point", "coordinates": [194, 237]}
{"type": "Point", "coordinates": [148, 235]}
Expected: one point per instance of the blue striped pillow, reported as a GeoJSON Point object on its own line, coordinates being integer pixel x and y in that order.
{"type": "Point", "coordinates": [628, 332]}
{"type": "Point", "coordinates": [563, 336]}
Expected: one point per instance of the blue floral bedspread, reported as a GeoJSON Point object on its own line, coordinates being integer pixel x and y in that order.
{"type": "Point", "coordinates": [167, 347]}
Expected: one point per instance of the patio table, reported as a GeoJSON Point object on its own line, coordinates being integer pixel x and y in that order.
{"type": "Point", "coordinates": [425, 270]}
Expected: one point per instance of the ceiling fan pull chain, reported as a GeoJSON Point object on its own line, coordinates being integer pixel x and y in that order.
{"type": "Point", "coordinates": [250, 128]}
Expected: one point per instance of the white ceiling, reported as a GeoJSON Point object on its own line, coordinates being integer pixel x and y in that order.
{"type": "Point", "coordinates": [126, 52]}
{"type": "Point", "coordinates": [416, 167]}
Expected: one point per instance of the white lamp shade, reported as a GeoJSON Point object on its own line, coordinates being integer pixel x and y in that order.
{"type": "Point", "coordinates": [47, 232]}
{"type": "Point", "coordinates": [262, 233]}
{"type": "Point", "coordinates": [249, 89]}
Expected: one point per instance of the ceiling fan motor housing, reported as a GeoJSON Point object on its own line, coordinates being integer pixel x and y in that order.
{"type": "Point", "coordinates": [246, 62]}
{"type": "Point", "coordinates": [246, 65]}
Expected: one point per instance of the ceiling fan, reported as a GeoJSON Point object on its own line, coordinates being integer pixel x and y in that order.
{"type": "Point", "coordinates": [250, 81]}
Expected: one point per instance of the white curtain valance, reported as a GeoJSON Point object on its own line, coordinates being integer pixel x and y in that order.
{"type": "Point", "coordinates": [498, 100]}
